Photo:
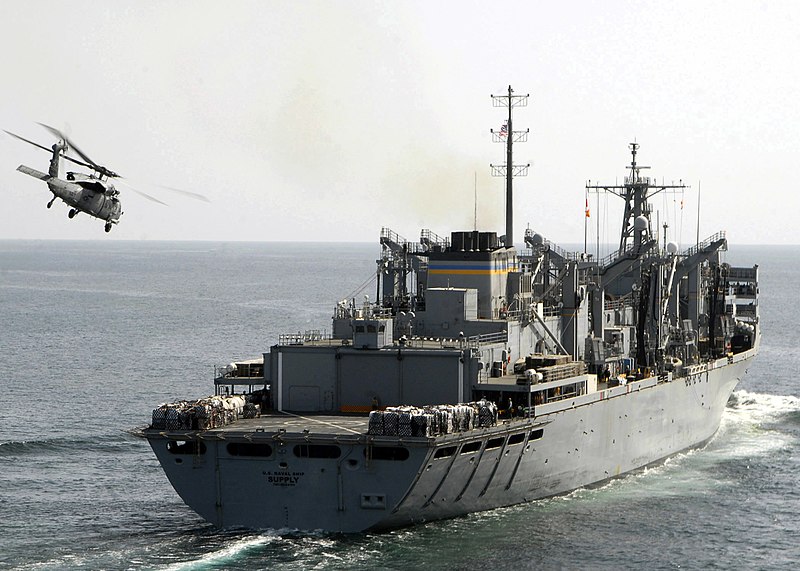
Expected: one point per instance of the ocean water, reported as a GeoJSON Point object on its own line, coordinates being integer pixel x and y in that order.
{"type": "Point", "coordinates": [94, 334]}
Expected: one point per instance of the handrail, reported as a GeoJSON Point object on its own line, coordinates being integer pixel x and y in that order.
{"type": "Point", "coordinates": [391, 235]}
{"type": "Point", "coordinates": [737, 273]}
{"type": "Point", "coordinates": [487, 338]}
{"type": "Point", "coordinates": [561, 252]}
{"type": "Point", "coordinates": [300, 338]}
{"type": "Point", "coordinates": [428, 237]}
{"type": "Point", "coordinates": [613, 256]}
{"type": "Point", "coordinates": [706, 243]}
{"type": "Point", "coordinates": [620, 302]}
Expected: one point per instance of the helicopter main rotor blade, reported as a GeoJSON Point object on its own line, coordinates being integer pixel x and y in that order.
{"type": "Point", "coordinates": [77, 162]}
{"type": "Point", "coordinates": [65, 157]}
{"type": "Point", "coordinates": [29, 142]}
{"type": "Point", "coordinates": [195, 195]}
{"type": "Point", "coordinates": [139, 192]}
{"type": "Point", "coordinates": [99, 168]}
{"type": "Point", "coordinates": [72, 145]}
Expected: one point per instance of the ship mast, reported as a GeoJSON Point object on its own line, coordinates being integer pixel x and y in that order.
{"type": "Point", "coordinates": [636, 191]}
{"type": "Point", "coordinates": [509, 170]}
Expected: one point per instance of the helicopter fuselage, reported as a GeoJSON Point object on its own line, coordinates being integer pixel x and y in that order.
{"type": "Point", "coordinates": [93, 193]}
{"type": "Point", "coordinates": [83, 193]}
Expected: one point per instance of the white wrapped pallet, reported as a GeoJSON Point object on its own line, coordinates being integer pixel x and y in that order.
{"type": "Point", "coordinates": [447, 424]}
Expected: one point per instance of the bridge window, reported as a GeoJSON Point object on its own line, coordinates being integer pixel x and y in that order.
{"type": "Point", "coordinates": [536, 434]}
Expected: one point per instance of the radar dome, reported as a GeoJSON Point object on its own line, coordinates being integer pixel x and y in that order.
{"type": "Point", "coordinates": [640, 223]}
{"type": "Point", "coordinates": [537, 239]}
{"type": "Point", "coordinates": [672, 247]}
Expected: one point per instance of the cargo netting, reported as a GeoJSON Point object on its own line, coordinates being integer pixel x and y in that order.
{"type": "Point", "coordinates": [205, 413]}
{"type": "Point", "coordinates": [408, 421]}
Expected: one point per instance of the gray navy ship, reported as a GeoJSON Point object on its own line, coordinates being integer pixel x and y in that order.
{"type": "Point", "coordinates": [482, 376]}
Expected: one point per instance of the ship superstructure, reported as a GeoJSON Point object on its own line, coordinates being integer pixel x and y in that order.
{"type": "Point", "coordinates": [480, 376]}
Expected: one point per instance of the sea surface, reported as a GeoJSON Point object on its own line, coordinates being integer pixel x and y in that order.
{"type": "Point", "coordinates": [94, 335]}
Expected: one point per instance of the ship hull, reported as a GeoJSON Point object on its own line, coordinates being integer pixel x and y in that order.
{"type": "Point", "coordinates": [567, 445]}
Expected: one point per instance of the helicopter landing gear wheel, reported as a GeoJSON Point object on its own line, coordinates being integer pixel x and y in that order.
{"type": "Point", "coordinates": [49, 204]}
{"type": "Point", "coordinates": [72, 213]}
{"type": "Point", "coordinates": [108, 226]}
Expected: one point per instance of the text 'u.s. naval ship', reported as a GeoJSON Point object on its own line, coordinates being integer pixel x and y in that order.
{"type": "Point", "coordinates": [483, 376]}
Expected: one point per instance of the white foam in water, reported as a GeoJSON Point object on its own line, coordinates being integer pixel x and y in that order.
{"type": "Point", "coordinates": [742, 432]}
{"type": "Point", "coordinates": [757, 407]}
{"type": "Point", "coordinates": [229, 552]}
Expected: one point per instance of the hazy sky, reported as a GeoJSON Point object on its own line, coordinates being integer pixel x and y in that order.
{"type": "Point", "coordinates": [326, 120]}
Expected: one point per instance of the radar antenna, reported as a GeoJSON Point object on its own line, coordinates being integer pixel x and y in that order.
{"type": "Point", "coordinates": [636, 191]}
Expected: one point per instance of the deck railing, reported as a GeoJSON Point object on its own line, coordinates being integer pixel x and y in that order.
{"type": "Point", "coordinates": [706, 243]}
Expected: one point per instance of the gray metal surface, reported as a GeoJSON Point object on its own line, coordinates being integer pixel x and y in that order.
{"type": "Point", "coordinates": [596, 438]}
{"type": "Point", "coordinates": [637, 356]}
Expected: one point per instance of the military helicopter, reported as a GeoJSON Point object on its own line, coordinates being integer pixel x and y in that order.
{"type": "Point", "coordinates": [93, 193]}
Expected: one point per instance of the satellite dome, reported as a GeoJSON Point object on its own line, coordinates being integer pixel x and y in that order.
{"type": "Point", "coordinates": [640, 223]}
{"type": "Point", "coordinates": [537, 239]}
{"type": "Point", "coordinates": [672, 247]}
